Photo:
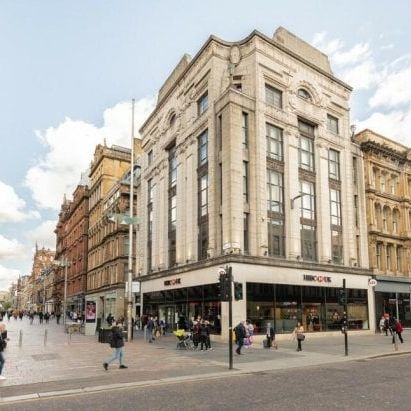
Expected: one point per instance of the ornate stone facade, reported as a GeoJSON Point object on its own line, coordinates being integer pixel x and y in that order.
{"type": "Point", "coordinates": [387, 169]}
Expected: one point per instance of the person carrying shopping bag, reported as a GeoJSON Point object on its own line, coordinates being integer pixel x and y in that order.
{"type": "Point", "coordinates": [298, 334]}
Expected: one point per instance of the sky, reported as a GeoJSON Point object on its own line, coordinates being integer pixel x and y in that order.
{"type": "Point", "coordinates": [69, 69]}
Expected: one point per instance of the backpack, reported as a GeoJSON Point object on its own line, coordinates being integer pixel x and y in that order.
{"type": "Point", "coordinates": [3, 343]}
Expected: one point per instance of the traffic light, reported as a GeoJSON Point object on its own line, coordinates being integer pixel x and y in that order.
{"type": "Point", "coordinates": [224, 287]}
{"type": "Point", "coordinates": [238, 291]}
{"type": "Point", "coordinates": [342, 296]}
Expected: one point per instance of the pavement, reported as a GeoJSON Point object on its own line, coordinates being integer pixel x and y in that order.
{"type": "Point", "coordinates": [63, 364]}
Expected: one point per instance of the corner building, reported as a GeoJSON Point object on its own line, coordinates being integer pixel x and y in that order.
{"type": "Point", "coordinates": [388, 193]}
{"type": "Point", "coordinates": [248, 161]}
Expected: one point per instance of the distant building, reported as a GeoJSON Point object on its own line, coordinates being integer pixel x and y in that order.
{"type": "Point", "coordinates": [387, 170]}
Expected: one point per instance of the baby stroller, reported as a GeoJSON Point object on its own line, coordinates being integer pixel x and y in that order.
{"type": "Point", "coordinates": [184, 340]}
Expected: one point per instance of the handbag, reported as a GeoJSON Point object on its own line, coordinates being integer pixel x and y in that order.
{"type": "Point", "coordinates": [300, 337]}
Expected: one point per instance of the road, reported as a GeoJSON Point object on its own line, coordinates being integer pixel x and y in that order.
{"type": "Point", "coordinates": [377, 384]}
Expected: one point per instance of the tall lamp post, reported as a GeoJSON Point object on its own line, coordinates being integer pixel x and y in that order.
{"type": "Point", "coordinates": [130, 220]}
{"type": "Point", "coordinates": [64, 263]}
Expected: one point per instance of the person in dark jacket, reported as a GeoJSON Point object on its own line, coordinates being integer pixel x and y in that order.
{"type": "Point", "coordinates": [240, 333]}
{"type": "Point", "coordinates": [117, 343]}
{"type": "Point", "coordinates": [204, 335]}
{"type": "Point", "coordinates": [270, 334]}
{"type": "Point", "coordinates": [398, 329]}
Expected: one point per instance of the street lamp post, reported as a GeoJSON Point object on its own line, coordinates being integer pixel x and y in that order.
{"type": "Point", "coordinates": [64, 263]}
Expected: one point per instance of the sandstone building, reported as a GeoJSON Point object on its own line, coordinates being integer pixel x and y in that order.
{"type": "Point", "coordinates": [248, 161]}
{"type": "Point", "coordinates": [387, 170]}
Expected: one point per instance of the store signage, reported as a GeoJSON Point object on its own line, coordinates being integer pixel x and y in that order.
{"type": "Point", "coordinates": [173, 282]}
{"type": "Point", "coordinates": [372, 282]}
{"type": "Point", "coordinates": [317, 278]}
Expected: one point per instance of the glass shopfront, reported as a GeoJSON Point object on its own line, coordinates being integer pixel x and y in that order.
{"type": "Point", "coordinates": [316, 307]}
{"type": "Point", "coordinates": [395, 304]}
{"type": "Point", "coordinates": [176, 307]}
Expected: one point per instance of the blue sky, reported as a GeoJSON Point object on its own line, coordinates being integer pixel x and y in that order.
{"type": "Point", "coordinates": [69, 68]}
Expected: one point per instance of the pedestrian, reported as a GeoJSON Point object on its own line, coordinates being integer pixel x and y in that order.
{"type": "Point", "coordinates": [249, 331]}
{"type": "Point", "coordinates": [203, 336]}
{"type": "Point", "coordinates": [58, 315]}
{"type": "Point", "coordinates": [298, 334]}
{"type": "Point", "coordinates": [240, 333]}
{"type": "Point", "coordinates": [386, 324]}
{"type": "Point", "coordinates": [150, 328]}
{"type": "Point", "coordinates": [110, 319]}
{"type": "Point", "coordinates": [382, 325]}
{"type": "Point", "coordinates": [3, 344]}
{"type": "Point", "coordinates": [47, 317]}
{"type": "Point", "coordinates": [117, 343]}
{"type": "Point", "coordinates": [398, 329]}
{"type": "Point", "coordinates": [270, 334]}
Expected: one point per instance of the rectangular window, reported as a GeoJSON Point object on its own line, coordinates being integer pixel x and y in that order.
{"type": "Point", "coordinates": [306, 153]}
{"type": "Point", "coordinates": [332, 124]}
{"type": "Point", "coordinates": [274, 137]}
{"type": "Point", "coordinates": [399, 259]}
{"type": "Point", "coordinates": [172, 164]}
{"type": "Point", "coordinates": [150, 157]}
{"type": "Point", "coordinates": [203, 148]}
{"type": "Point", "coordinates": [244, 129]}
{"type": "Point", "coordinates": [308, 242]}
{"type": "Point", "coordinates": [337, 247]}
{"type": "Point", "coordinates": [378, 248]}
{"type": "Point", "coordinates": [389, 254]}
{"type": "Point", "coordinates": [334, 164]}
{"type": "Point", "coordinates": [354, 170]}
{"type": "Point", "coordinates": [335, 207]}
{"type": "Point", "coordinates": [276, 237]}
{"type": "Point", "coordinates": [356, 210]}
{"type": "Point", "coordinates": [245, 181]}
{"type": "Point", "coordinates": [275, 191]}
{"type": "Point", "coordinates": [307, 200]}
{"type": "Point", "coordinates": [382, 183]}
{"type": "Point", "coordinates": [306, 128]}
{"type": "Point", "coordinates": [202, 103]}
{"type": "Point", "coordinates": [203, 195]}
{"type": "Point", "coordinates": [393, 185]}
{"type": "Point", "coordinates": [245, 230]}
{"type": "Point", "coordinates": [173, 213]}
{"type": "Point", "coordinates": [273, 96]}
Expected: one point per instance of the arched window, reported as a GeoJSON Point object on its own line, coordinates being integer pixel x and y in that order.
{"type": "Point", "coordinates": [395, 220]}
{"type": "Point", "coordinates": [378, 221]}
{"type": "Point", "coordinates": [172, 119]}
{"type": "Point", "coordinates": [386, 215]}
{"type": "Point", "coordinates": [303, 93]}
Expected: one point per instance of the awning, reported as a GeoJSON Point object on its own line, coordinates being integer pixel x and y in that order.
{"type": "Point", "coordinates": [402, 285]}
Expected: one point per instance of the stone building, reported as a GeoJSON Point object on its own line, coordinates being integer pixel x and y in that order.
{"type": "Point", "coordinates": [42, 262]}
{"type": "Point", "coordinates": [248, 161]}
{"type": "Point", "coordinates": [108, 241]}
{"type": "Point", "coordinates": [72, 248]}
{"type": "Point", "coordinates": [387, 169]}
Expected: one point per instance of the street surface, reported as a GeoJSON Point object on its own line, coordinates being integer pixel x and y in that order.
{"type": "Point", "coordinates": [160, 376]}
{"type": "Point", "coordinates": [377, 384]}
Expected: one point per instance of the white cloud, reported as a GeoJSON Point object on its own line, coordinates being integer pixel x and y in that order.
{"type": "Point", "coordinates": [12, 207]}
{"type": "Point", "coordinates": [43, 234]}
{"type": "Point", "coordinates": [394, 91]}
{"type": "Point", "coordinates": [70, 147]}
{"type": "Point", "coordinates": [7, 276]}
{"type": "Point", "coordinates": [395, 124]}
{"type": "Point", "coordinates": [10, 248]}
{"type": "Point", "coordinates": [355, 65]}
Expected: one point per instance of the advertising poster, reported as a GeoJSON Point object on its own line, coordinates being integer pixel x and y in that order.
{"type": "Point", "coordinates": [90, 311]}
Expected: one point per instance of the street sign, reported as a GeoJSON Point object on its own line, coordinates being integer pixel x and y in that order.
{"type": "Point", "coordinates": [372, 282]}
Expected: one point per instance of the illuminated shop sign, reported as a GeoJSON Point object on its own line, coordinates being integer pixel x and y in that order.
{"type": "Point", "coordinates": [175, 281]}
{"type": "Point", "coordinates": [317, 278]}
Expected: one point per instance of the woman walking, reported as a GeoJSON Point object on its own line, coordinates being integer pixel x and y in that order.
{"type": "Point", "coordinates": [298, 334]}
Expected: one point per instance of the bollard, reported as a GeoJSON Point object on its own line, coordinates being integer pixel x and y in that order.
{"type": "Point", "coordinates": [45, 337]}
{"type": "Point", "coordinates": [20, 338]}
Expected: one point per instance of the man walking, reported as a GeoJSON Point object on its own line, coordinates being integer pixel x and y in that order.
{"type": "Point", "coordinates": [150, 328]}
{"type": "Point", "coordinates": [117, 343]}
{"type": "Point", "coordinates": [240, 333]}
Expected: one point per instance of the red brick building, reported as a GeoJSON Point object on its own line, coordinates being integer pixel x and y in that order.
{"type": "Point", "coordinates": [72, 246]}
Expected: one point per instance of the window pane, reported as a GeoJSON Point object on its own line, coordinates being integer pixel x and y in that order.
{"type": "Point", "coordinates": [273, 96]}
{"type": "Point", "coordinates": [274, 142]}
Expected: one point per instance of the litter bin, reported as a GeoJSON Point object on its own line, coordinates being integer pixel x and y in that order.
{"type": "Point", "coordinates": [104, 335]}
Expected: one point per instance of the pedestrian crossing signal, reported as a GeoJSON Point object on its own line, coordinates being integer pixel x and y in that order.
{"type": "Point", "coordinates": [342, 296]}
{"type": "Point", "coordinates": [238, 291]}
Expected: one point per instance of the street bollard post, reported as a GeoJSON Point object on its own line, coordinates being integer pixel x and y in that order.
{"type": "Point", "coordinates": [20, 338]}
